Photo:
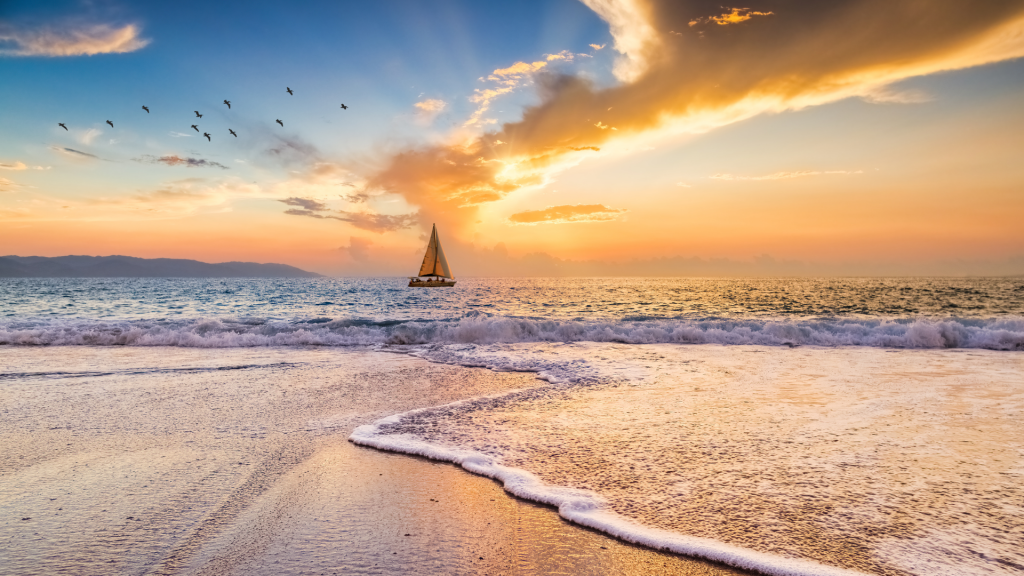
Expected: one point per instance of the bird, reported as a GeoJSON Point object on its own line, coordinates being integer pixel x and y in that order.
{"type": "Point", "coordinates": [232, 132]}
{"type": "Point", "coordinates": [198, 115]}
{"type": "Point", "coordinates": [61, 124]}
{"type": "Point", "coordinates": [228, 102]}
{"type": "Point", "coordinates": [194, 128]}
{"type": "Point", "coordinates": [281, 123]}
{"type": "Point", "coordinates": [289, 90]}
{"type": "Point", "coordinates": [146, 108]}
{"type": "Point", "coordinates": [343, 107]}
{"type": "Point", "coordinates": [111, 123]}
{"type": "Point", "coordinates": [207, 136]}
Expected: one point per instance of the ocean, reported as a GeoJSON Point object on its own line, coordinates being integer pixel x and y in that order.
{"type": "Point", "coordinates": [783, 426]}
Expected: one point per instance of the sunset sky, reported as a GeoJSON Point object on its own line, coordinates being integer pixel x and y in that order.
{"type": "Point", "coordinates": [845, 137]}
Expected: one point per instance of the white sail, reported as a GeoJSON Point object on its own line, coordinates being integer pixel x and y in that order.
{"type": "Point", "coordinates": [434, 262]}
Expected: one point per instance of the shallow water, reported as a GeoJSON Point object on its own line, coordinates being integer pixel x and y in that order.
{"type": "Point", "coordinates": [903, 313]}
{"type": "Point", "coordinates": [191, 461]}
{"type": "Point", "coordinates": [884, 462]}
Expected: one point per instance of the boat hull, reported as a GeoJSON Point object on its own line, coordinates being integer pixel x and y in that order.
{"type": "Point", "coordinates": [431, 283]}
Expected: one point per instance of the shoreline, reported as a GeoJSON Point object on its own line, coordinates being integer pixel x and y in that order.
{"type": "Point", "coordinates": [192, 468]}
{"type": "Point", "coordinates": [585, 509]}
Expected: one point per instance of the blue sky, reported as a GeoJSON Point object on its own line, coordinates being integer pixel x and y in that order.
{"type": "Point", "coordinates": [582, 130]}
{"type": "Point", "coordinates": [379, 57]}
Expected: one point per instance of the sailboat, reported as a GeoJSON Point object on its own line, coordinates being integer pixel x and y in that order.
{"type": "Point", "coordinates": [435, 265]}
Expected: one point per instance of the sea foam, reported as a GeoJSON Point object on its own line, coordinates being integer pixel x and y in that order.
{"type": "Point", "coordinates": [757, 460]}
{"type": "Point", "coordinates": [1000, 333]}
{"type": "Point", "coordinates": [588, 508]}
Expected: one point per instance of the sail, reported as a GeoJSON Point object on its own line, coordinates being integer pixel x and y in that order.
{"type": "Point", "coordinates": [434, 262]}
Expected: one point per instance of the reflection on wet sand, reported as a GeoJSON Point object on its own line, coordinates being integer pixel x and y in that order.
{"type": "Point", "coordinates": [881, 461]}
{"type": "Point", "coordinates": [184, 461]}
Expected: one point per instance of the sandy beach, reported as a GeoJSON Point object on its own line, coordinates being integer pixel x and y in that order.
{"type": "Point", "coordinates": [185, 461]}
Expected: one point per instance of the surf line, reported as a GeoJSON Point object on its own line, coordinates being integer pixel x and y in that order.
{"type": "Point", "coordinates": [588, 508]}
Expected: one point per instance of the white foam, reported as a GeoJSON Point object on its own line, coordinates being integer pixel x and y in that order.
{"type": "Point", "coordinates": [588, 508]}
{"type": "Point", "coordinates": [1001, 333]}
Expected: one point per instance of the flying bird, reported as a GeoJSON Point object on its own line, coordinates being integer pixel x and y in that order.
{"type": "Point", "coordinates": [198, 115]}
{"type": "Point", "coordinates": [146, 108]}
{"type": "Point", "coordinates": [61, 124]}
{"type": "Point", "coordinates": [194, 128]}
{"type": "Point", "coordinates": [207, 137]}
{"type": "Point", "coordinates": [289, 90]}
{"type": "Point", "coordinates": [228, 102]}
{"type": "Point", "coordinates": [281, 123]}
{"type": "Point", "coordinates": [232, 132]}
{"type": "Point", "coordinates": [343, 107]}
{"type": "Point", "coordinates": [111, 123]}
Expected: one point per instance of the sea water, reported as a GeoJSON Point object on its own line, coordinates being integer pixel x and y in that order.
{"type": "Point", "coordinates": [910, 313]}
{"type": "Point", "coordinates": [791, 426]}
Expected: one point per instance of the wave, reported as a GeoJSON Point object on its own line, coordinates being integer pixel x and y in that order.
{"type": "Point", "coordinates": [1001, 333]}
{"type": "Point", "coordinates": [588, 508]}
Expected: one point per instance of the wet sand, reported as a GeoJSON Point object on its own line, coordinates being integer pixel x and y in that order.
{"type": "Point", "coordinates": [183, 461]}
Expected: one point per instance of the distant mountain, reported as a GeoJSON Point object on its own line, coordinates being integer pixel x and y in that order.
{"type": "Point", "coordinates": [126, 266]}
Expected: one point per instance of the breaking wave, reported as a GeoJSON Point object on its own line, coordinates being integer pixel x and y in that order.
{"type": "Point", "coordinates": [1002, 333]}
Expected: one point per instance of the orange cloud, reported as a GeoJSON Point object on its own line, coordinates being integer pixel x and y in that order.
{"type": "Point", "coordinates": [508, 79]}
{"type": "Point", "coordinates": [72, 41]}
{"type": "Point", "coordinates": [517, 71]}
{"type": "Point", "coordinates": [432, 105]}
{"type": "Point", "coordinates": [734, 16]}
{"type": "Point", "coordinates": [566, 214]}
{"type": "Point", "coordinates": [563, 55]}
{"type": "Point", "coordinates": [692, 84]}
{"type": "Point", "coordinates": [427, 110]}
{"type": "Point", "coordinates": [786, 175]}
{"type": "Point", "coordinates": [358, 248]}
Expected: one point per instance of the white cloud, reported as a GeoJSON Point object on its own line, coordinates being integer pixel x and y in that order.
{"type": "Point", "coordinates": [72, 41]}
{"type": "Point", "coordinates": [634, 36]}
{"type": "Point", "coordinates": [87, 136]}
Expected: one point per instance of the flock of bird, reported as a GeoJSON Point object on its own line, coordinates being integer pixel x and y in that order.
{"type": "Point", "coordinates": [198, 115]}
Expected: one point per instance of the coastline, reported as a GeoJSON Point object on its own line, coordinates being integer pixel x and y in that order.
{"type": "Point", "coordinates": [189, 461]}
{"type": "Point", "coordinates": [944, 415]}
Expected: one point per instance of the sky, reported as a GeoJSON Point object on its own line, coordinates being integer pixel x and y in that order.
{"type": "Point", "coordinates": [563, 137]}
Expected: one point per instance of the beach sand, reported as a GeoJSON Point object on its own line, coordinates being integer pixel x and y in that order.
{"type": "Point", "coordinates": [188, 461]}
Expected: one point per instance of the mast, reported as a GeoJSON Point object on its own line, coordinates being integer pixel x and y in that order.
{"type": "Point", "coordinates": [434, 262]}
